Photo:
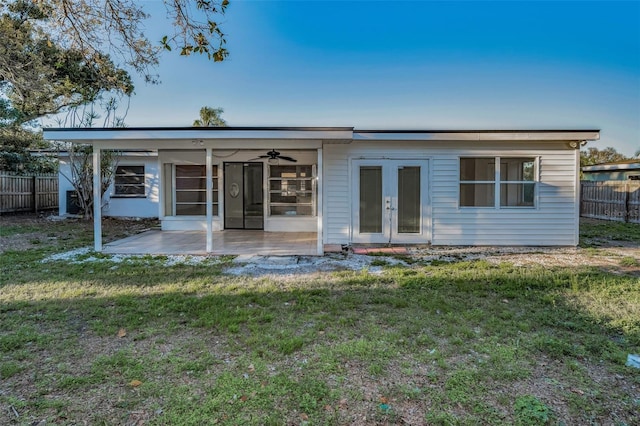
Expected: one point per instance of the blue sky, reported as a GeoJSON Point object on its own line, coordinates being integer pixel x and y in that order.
{"type": "Point", "coordinates": [413, 65]}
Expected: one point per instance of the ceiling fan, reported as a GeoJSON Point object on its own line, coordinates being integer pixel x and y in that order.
{"type": "Point", "coordinates": [275, 155]}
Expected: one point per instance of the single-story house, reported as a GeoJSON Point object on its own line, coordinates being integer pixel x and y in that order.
{"type": "Point", "coordinates": [619, 170]}
{"type": "Point", "coordinates": [348, 186]}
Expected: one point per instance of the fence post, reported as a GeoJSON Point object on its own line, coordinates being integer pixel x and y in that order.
{"type": "Point", "coordinates": [35, 193]}
{"type": "Point", "coordinates": [627, 194]}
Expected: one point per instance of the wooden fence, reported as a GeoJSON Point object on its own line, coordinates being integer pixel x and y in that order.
{"type": "Point", "coordinates": [611, 200]}
{"type": "Point", "coordinates": [28, 193]}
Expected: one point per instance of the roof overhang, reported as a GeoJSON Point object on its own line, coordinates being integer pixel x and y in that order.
{"type": "Point", "coordinates": [478, 135]}
{"type": "Point", "coordinates": [166, 135]}
{"type": "Point", "coordinates": [611, 167]}
{"type": "Point", "coordinates": [91, 135]}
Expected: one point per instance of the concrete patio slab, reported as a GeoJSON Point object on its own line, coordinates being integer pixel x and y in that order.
{"type": "Point", "coordinates": [233, 242]}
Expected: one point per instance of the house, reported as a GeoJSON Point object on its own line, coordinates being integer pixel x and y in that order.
{"type": "Point", "coordinates": [348, 186]}
{"type": "Point", "coordinates": [619, 170]}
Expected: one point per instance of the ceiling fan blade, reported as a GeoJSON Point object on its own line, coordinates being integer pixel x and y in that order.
{"type": "Point", "coordinates": [284, 157]}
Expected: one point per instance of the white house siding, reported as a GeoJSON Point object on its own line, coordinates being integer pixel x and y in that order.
{"type": "Point", "coordinates": [113, 206]}
{"type": "Point", "coordinates": [553, 222]}
{"type": "Point", "coordinates": [146, 206]}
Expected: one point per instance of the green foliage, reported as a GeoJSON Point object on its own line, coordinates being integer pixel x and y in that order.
{"type": "Point", "coordinates": [116, 28]}
{"type": "Point", "coordinates": [595, 233]}
{"type": "Point", "coordinates": [39, 76]}
{"type": "Point", "coordinates": [530, 411]}
{"type": "Point", "coordinates": [599, 156]}
{"type": "Point", "coordinates": [210, 117]}
{"type": "Point", "coordinates": [629, 261]}
{"type": "Point", "coordinates": [15, 155]}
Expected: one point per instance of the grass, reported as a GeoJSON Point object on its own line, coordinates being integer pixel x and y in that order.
{"type": "Point", "coordinates": [466, 342]}
{"type": "Point", "coordinates": [594, 233]}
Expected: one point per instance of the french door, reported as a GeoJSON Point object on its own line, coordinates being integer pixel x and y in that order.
{"type": "Point", "coordinates": [390, 201]}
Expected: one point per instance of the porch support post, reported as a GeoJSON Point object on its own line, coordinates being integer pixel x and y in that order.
{"type": "Point", "coordinates": [97, 201]}
{"type": "Point", "coordinates": [319, 205]}
{"type": "Point", "coordinates": [209, 187]}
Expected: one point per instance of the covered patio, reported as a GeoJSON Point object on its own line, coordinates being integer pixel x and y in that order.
{"type": "Point", "coordinates": [232, 242]}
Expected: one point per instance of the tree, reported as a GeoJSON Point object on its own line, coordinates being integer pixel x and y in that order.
{"type": "Point", "coordinates": [39, 77]}
{"type": "Point", "coordinates": [15, 156]}
{"type": "Point", "coordinates": [210, 117]}
{"type": "Point", "coordinates": [599, 156]}
{"type": "Point", "coordinates": [116, 28]}
{"type": "Point", "coordinates": [81, 156]}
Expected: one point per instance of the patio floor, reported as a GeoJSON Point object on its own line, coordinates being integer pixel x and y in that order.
{"type": "Point", "coordinates": [224, 242]}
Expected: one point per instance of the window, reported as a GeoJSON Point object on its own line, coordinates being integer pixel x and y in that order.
{"type": "Point", "coordinates": [477, 182]}
{"type": "Point", "coordinates": [129, 181]}
{"type": "Point", "coordinates": [517, 182]}
{"type": "Point", "coordinates": [486, 181]}
{"type": "Point", "coordinates": [189, 195]}
{"type": "Point", "coordinates": [292, 190]}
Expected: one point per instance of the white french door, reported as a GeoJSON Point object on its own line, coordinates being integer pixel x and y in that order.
{"type": "Point", "coordinates": [390, 201]}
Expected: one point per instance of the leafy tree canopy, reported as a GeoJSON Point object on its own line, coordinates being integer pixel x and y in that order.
{"type": "Point", "coordinates": [210, 117]}
{"type": "Point", "coordinates": [116, 28]}
{"type": "Point", "coordinates": [39, 77]}
{"type": "Point", "coordinates": [599, 156]}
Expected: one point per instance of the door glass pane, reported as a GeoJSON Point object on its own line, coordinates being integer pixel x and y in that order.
{"type": "Point", "coordinates": [409, 200]}
{"type": "Point", "coordinates": [371, 199]}
{"type": "Point", "coordinates": [253, 196]}
{"type": "Point", "coordinates": [233, 196]}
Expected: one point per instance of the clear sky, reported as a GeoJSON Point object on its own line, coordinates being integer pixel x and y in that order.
{"type": "Point", "coordinates": [412, 65]}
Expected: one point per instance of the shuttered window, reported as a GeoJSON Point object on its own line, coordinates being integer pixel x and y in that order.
{"type": "Point", "coordinates": [129, 181]}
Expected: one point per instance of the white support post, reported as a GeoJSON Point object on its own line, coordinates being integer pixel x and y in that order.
{"type": "Point", "coordinates": [209, 187]}
{"type": "Point", "coordinates": [319, 204]}
{"type": "Point", "coordinates": [97, 201]}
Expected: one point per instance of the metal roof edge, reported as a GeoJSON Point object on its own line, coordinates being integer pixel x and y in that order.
{"type": "Point", "coordinates": [611, 167]}
{"type": "Point", "coordinates": [185, 128]}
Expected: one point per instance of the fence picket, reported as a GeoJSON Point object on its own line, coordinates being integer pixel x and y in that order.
{"type": "Point", "coordinates": [611, 200]}
{"type": "Point", "coordinates": [28, 193]}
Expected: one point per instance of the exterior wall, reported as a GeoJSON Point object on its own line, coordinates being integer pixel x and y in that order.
{"type": "Point", "coordinates": [553, 221]}
{"type": "Point", "coordinates": [115, 206]}
{"type": "Point", "coordinates": [271, 223]}
{"type": "Point", "coordinates": [147, 206]}
{"type": "Point", "coordinates": [64, 184]}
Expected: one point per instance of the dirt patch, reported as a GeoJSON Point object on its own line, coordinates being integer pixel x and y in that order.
{"type": "Point", "coordinates": [609, 256]}
{"type": "Point", "coordinates": [21, 232]}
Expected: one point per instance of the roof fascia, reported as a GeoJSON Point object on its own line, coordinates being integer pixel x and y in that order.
{"type": "Point", "coordinates": [611, 167]}
{"type": "Point", "coordinates": [476, 135]}
{"type": "Point", "coordinates": [93, 135]}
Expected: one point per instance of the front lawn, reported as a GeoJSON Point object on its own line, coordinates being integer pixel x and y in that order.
{"type": "Point", "coordinates": [146, 341]}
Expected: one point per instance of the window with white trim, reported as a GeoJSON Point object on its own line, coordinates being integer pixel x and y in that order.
{"type": "Point", "coordinates": [292, 190]}
{"type": "Point", "coordinates": [128, 181]}
{"type": "Point", "coordinates": [498, 182]}
{"type": "Point", "coordinates": [188, 194]}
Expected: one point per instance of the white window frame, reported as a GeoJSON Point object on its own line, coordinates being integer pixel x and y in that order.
{"type": "Point", "coordinates": [497, 181]}
{"type": "Point", "coordinates": [313, 191]}
{"type": "Point", "coordinates": [215, 189]}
